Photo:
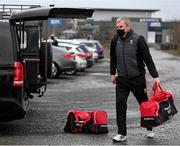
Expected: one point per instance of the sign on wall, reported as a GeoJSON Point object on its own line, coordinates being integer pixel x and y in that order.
{"type": "Point", "coordinates": [55, 21]}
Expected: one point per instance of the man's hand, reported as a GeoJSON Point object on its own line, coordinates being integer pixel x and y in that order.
{"type": "Point", "coordinates": [157, 80]}
{"type": "Point", "coordinates": [113, 79]}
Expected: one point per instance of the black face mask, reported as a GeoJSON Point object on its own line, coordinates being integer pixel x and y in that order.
{"type": "Point", "coordinates": [120, 32]}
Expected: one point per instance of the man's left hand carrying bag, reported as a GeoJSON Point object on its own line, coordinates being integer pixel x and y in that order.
{"type": "Point", "coordinates": [159, 107]}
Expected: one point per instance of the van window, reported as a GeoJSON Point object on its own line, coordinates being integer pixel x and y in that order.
{"type": "Point", "coordinates": [23, 39]}
{"type": "Point", "coordinates": [6, 47]}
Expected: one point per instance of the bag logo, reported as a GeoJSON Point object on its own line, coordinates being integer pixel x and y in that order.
{"type": "Point", "coordinates": [148, 118]}
{"type": "Point", "coordinates": [167, 108]}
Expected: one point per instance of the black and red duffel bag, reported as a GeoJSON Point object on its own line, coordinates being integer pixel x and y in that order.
{"type": "Point", "coordinates": [98, 123]}
{"type": "Point", "coordinates": [87, 122]}
{"type": "Point", "coordinates": [159, 107]}
{"type": "Point", "coordinates": [76, 121]}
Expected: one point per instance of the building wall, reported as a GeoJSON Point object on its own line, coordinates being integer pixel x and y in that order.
{"type": "Point", "coordinates": [139, 20]}
{"type": "Point", "coordinates": [165, 36]}
{"type": "Point", "coordinates": [0, 15]}
{"type": "Point", "coordinates": [103, 15]}
{"type": "Point", "coordinates": [140, 28]}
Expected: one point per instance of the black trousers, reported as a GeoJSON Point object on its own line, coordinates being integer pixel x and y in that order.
{"type": "Point", "coordinates": [123, 87]}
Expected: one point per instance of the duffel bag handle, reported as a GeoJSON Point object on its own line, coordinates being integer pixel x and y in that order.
{"type": "Point", "coordinates": [157, 93]}
{"type": "Point", "coordinates": [157, 87]}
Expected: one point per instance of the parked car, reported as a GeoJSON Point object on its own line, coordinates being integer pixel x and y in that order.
{"type": "Point", "coordinates": [94, 44]}
{"type": "Point", "coordinates": [84, 48]}
{"type": "Point", "coordinates": [63, 61]}
{"type": "Point", "coordinates": [88, 54]}
{"type": "Point", "coordinates": [92, 49]}
{"type": "Point", "coordinates": [79, 55]}
{"type": "Point", "coordinates": [23, 67]}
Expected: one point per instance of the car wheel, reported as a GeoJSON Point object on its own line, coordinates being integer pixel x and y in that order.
{"type": "Point", "coordinates": [55, 70]}
{"type": "Point", "coordinates": [82, 70]}
{"type": "Point", "coordinates": [72, 72]}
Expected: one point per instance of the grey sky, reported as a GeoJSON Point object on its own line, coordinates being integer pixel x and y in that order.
{"type": "Point", "coordinates": [169, 9]}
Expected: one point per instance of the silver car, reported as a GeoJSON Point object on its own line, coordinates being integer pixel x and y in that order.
{"type": "Point", "coordinates": [79, 55]}
{"type": "Point", "coordinates": [92, 49]}
{"type": "Point", "coordinates": [62, 61]}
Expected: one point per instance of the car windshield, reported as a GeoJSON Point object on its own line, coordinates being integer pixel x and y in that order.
{"type": "Point", "coordinates": [6, 47]}
{"type": "Point", "coordinates": [90, 45]}
{"type": "Point", "coordinates": [84, 48]}
{"type": "Point", "coordinates": [79, 50]}
{"type": "Point", "coordinates": [98, 46]}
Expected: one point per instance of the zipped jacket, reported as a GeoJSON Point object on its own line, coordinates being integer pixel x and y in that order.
{"type": "Point", "coordinates": [129, 55]}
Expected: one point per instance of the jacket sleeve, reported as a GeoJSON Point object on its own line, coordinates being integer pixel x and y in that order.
{"type": "Point", "coordinates": [113, 57]}
{"type": "Point", "coordinates": [146, 56]}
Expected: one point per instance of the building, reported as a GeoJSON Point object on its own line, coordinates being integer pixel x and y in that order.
{"type": "Point", "coordinates": [141, 19]}
{"type": "Point", "coordinates": [1, 16]}
{"type": "Point", "coordinates": [101, 25]}
{"type": "Point", "coordinates": [106, 14]}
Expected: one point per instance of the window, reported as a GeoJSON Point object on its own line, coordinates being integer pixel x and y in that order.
{"type": "Point", "coordinates": [22, 35]}
{"type": "Point", "coordinates": [158, 38]}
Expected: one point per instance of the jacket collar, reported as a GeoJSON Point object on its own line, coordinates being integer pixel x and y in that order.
{"type": "Point", "coordinates": [128, 35]}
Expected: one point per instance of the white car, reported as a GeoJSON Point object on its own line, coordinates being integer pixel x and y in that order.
{"type": "Point", "coordinates": [97, 45]}
{"type": "Point", "coordinates": [79, 55]}
{"type": "Point", "coordinates": [92, 49]}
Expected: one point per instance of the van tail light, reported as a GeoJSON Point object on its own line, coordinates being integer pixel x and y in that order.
{"type": "Point", "coordinates": [80, 55]}
{"type": "Point", "coordinates": [18, 74]}
{"type": "Point", "coordinates": [68, 56]}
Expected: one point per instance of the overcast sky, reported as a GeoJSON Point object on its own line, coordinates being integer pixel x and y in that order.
{"type": "Point", "coordinates": [169, 9]}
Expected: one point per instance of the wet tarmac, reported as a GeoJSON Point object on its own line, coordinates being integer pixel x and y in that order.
{"type": "Point", "coordinates": [92, 90]}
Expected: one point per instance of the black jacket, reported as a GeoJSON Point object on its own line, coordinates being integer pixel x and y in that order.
{"type": "Point", "coordinates": [143, 57]}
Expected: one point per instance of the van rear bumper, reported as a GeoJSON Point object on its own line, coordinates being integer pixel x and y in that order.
{"type": "Point", "coordinates": [10, 109]}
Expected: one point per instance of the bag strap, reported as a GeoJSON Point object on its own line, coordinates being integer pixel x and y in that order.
{"type": "Point", "coordinates": [156, 87]}
{"type": "Point", "coordinates": [78, 115]}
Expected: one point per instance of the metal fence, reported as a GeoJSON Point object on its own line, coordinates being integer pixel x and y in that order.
{"type": "Point", "coordinates": [7, 9]}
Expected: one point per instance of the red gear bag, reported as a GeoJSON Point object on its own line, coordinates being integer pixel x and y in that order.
{"type": "Point", "coordinates": [159, 107]}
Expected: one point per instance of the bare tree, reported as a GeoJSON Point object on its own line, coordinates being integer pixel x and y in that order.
{"type": "Point", "coordinates": [174, 33]}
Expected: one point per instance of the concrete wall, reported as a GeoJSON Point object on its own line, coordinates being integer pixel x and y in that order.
{"type": "Point", "coordinates": [0, 15]}
{"type": "Point", "coordinates": [140, 28]}
{"type": "Point", "coordinates": [102, 15]}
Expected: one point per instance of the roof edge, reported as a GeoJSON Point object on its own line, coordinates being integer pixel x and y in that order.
{"type": "Point", "coordinates": [134, 10]}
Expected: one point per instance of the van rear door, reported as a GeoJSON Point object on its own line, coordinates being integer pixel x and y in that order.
{"type": "Point", "coordinates": [30, 54]}
{"type": "Point", "coordinates": [28, 34]}
{"type": "Point", "coordinates": [6, 57]}
{"type": "Point", "coordinates": [50, 12]}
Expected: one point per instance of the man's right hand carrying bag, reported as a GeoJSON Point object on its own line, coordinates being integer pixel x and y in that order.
{"type": "Point", "coordinates": [159, 107]}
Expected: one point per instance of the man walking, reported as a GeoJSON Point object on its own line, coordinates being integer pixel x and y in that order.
{"type": "Point", "coordinates": [128, 55]}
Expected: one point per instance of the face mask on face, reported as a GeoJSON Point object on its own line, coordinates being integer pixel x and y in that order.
{"type": "Point", "coordinates": [120, 32]}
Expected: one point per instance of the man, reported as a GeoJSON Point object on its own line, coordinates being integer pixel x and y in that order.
{"type": "Point", "coordinates": [128, 55]}
{"type": "Point", "coordinates": [54, 41]}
